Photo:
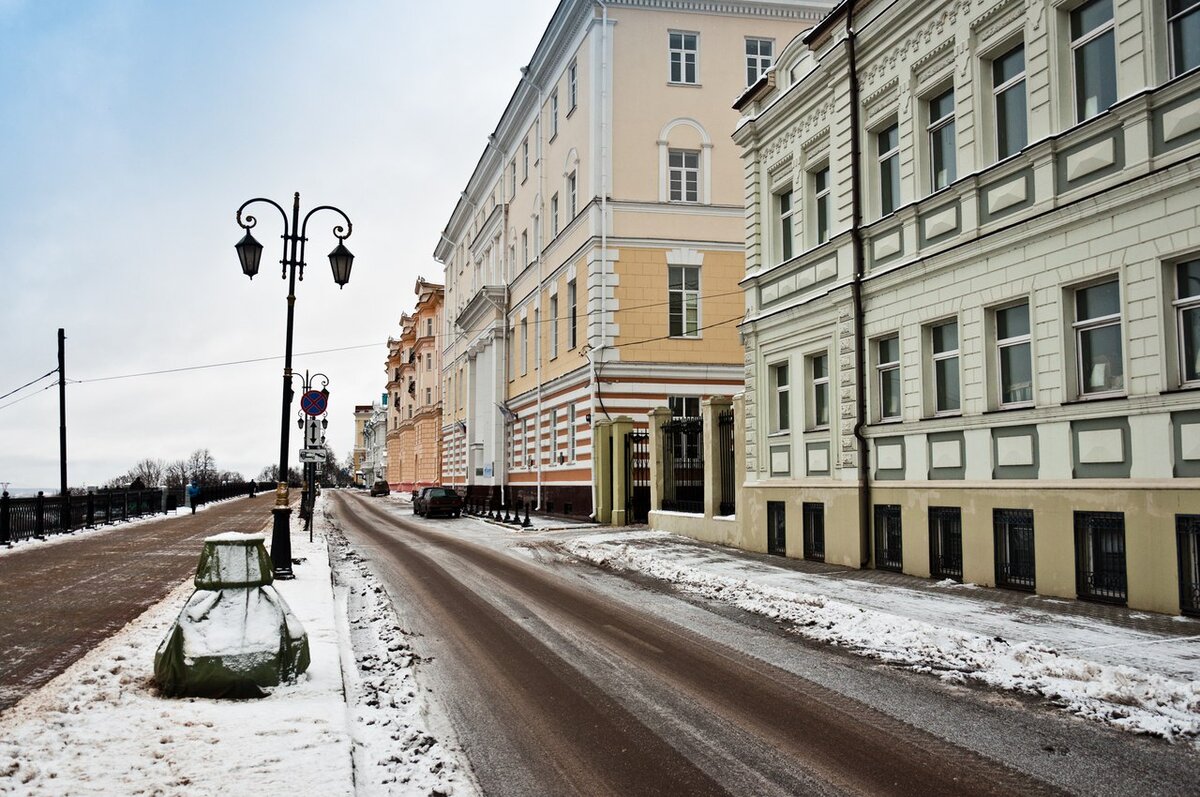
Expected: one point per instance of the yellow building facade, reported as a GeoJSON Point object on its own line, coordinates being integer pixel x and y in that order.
{"type": "Point", "coordinates": [414, 383]}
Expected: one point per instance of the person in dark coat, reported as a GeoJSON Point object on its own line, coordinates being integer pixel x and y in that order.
{"type": "Point", "coordinates": [193, 494]}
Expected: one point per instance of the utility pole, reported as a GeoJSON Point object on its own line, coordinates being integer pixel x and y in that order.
{"type": "Point", "coordinates": [62, 430]}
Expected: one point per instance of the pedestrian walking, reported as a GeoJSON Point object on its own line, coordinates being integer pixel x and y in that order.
{"type": "Point", "coordinates": [193, 494]}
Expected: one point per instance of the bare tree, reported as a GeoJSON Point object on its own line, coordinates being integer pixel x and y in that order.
{"type": "Point", "coordinates": [150, 471]}
{"type": "Point", "coordinates": [176, 473]}
{"type": "Point", "coordinates": [202, 467]}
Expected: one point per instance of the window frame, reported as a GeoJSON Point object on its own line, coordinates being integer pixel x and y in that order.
{"type": "Point", "coordinates": [882, 158]}
{"type": "Point", "coordinates": [881, 368]}
{"type": "Point", "coordinates": [524, 247]}
{"type": "Point", "coordinates": [1182, 305]}
{"type": "Point", "coordinates": [936, 357]}
{"type": "Point", "coordinates": [817, 385]}
{"type": "Point", "coordinates": [1080, 327]}
{"type": "Point", "coordinates": [572, 328]}
{"type": "Point", "coordinates": [572, 86]}
{"type": "Point", "coordinates": [1173, 70]}
{"type": "Point", "coordinates": [785, 226]}
{"type": "Point", "coordinates": [686, 294]}
{"type": "Point", "coordinates": [1012, 341]}
{"type": "Point", "coordinates": [554, 216]}
{"type": "Point", "coordinates": [934, 129]}
{"type": "Point", "coordinates": [822, 203]}
{"type": "Point", "coordinates": [512, 193]}
{"type": "Point", "coordinates": [683, 170]}
{"type": "Point", "coordinates": [553, 326]}
{"type": "Point", "coordinates": [1076, 45]}
{"type": "Point", "coordinates": [524, 346]}
{"type": "Point", "coordinates": [524, 160]}
{"type": "Point", "coordinates": [677, 57]}
{"type": "Point", "coordinates": [554, 114]}
{"type": "Point", "coordinates": [572, 194]}
{"type": "Point", "coordinates": [755, 66]}
{"type": "Point", "coordinates": [1016, 82]}
{"type": "Point", "coordinates": [780, 396]}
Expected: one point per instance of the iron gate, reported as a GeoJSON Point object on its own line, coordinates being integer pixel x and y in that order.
{"type": "Point", "coordinates": [776, 528]}
{"type": "Point", "coordinates": [813, 517]}
{"type": "Point", "coordinates": [889, 553]}
{"type": "Point", "coordinates": [1187, 533]}
{"type": "Point", "coordinates": [1013, 530]}
{"type": "Point", "coordinates": [945, 542]}
{"type": "Point", "coordinates": [1100, 556]}
{"type": "Point", "coordinates": [637, 475]}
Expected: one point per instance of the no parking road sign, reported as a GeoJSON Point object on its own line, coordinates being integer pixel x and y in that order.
{"type": "Point", "coordinates": [314, 402]}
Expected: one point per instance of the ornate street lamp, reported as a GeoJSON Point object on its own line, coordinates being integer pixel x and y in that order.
{"type": "Point", "coordinates": [295, 237]}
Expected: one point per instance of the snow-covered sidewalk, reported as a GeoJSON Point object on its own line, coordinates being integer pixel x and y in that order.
{"type": "Point", "coordinates": [100, 728]}
{"type": "Point", "coordinates": [1142, 682]}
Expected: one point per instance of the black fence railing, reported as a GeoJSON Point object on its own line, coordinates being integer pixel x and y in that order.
{"type": "Point", "coordinates": [683, 459]}
{"type": "Point", "coordinates": [41, 515]}
{"type": "Point", "coordinates": [637, 475]}
{"type": "Point", "coordinates": [728, 498]}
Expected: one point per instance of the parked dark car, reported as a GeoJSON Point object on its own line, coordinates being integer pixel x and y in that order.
{"type": "Point", "coordinates": [380, 487]}
{"type": "Point", "coordinates": [438, 501]}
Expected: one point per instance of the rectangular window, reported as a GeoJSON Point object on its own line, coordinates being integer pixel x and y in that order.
{"type": "Point", "coordinates": [553, 114]}
{"type": "Point", "coordinates": [524, 247]}
{"type": "Point", "coordinates": [1093, 58]}
{"type": "Point", "coordinates": [819, 397]}
{"type": "Point", "coordinates": [572, 86]}
{"type": "Point", "coordinates": [1187, 310]}
{"type": "Point", "coordinates": [512, 352]}
{"type": "Point", "coordinates": [524, 160]}
{"type": "Point", "coordinates": [1098, 339]}
{"type": "Point", "coordinates": [1013, 531]}
{"type": "Point", "coordinates": [887, 145]}
{"type": "Point", "coordinates": [684, 406]}
{"type": "Point", "coordinates": [429, 327]}
{"type": "Point", "coordinates": [428, 362]}
{"type": "Point", "coordinates": [524, 346]}
{"type": "Point", "coordinates": [553, 327]}
{"type": "Point", "coordinates": [759, 54]}
{"type": "Point", "coordinates": [785, 211]}
{"type": "Point", "coordinates": [821, 202]}
{"type": "Point", "coordinates": [572, 196]}
{"type": "Point", "coordinates": [889, 550]}
{"type": "Point", "coordinates": [780, 398]}
{"type": "Point", "coordinates": [1183, 24]}
{"type": "Point", "coordinates": [571, 433]}
{"type": "Point", "coordinates": [554, 455]}
{"type": "Point", "coordinates": [684, 175]}
{"type": "Point", "coordinates": [554, 215]}
{"type": "Point", "coordinates": [944, 338]}
{"type": "Point", "coordinates": [512, 171]}
{"type": "Point", "coordinates": [428, 395]}
{"type": "Point", "coordinates": [1008, 88]}
{"type": "Point", "coordinates": [942, 159]}
{"type": "Point", "coordinates": [683, 301]}
{"type": "Point", "coordinates": [686, 443]}
{"type": "Point", "coordinates": [1014, 361]}
{"type": "Point", "coordinates": [887, 367]}
{"type": "Point", "coordinates": [812, 517]}
{"type": "Point", "coordinates": [572, 339]}
{"type": "Point", "coordinates": [684, 50]}
{"type": "Point", "coordinates": [1100, 556]}
{"type": "Point", "coordinates": [945, 542]}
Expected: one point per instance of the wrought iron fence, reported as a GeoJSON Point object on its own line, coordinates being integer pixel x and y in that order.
{"type": "Point", "coordinates": [728, 503]}
{"type": "Point", "coordinates": [1100, 556]}
{"type": "Point", "coordinates": [1013, 529]}
{"type": "Point", "coordinates": [41, 515]}
{"type": "Point", "coordinates": [813, 519]}
{"type": "Point", "coordinates": [683, 460]}
{"type": "Point", "coordinates": [889, 552]}
{"type": "Point", "coordinates": [637, 475]}
{"type": "Point", "coordinates": [945, 542]}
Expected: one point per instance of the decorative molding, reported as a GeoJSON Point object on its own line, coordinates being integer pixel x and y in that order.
{"type": "Point", "coordinates": [997, 19]}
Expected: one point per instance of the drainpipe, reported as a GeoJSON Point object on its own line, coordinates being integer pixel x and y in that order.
{"type": "Point", "coordinates": [594, 393]}
{"type": "Point", "coordinates": [860, 354]}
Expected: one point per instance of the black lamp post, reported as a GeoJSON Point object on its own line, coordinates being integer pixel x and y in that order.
{"type": "Point", "coordinates": [249, 250]}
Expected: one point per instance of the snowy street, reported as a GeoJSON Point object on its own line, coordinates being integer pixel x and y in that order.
{"type": "Point", "coordinates": [459, 657]}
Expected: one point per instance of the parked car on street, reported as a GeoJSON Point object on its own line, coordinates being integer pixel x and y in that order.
{"type": "Point", "coordinates": [437, 500]}
{"type": "Point", "coordinates": [380, 487]}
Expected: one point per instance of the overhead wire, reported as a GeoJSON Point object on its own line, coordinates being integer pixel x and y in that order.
{"type": "Point", "coordinates": [31, 395]}
{"type": "Point", "coordinates": [27, 384]}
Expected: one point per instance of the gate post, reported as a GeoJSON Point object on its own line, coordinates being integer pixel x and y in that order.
{"type": "Point", "coordinates": [91, 508]}
{"type": "Point", "coordinates": [5, 520]}
{"type": "Point", "coordinates": [602, 469]}
{"type": "Point", "coordinates": [622, 426]}
{"type": "Point", "coordinates": [39, 516]}
{"type": "Point", "coordinates": [710, 408]}
{"type": "Point", "coordinates": [658, 416]}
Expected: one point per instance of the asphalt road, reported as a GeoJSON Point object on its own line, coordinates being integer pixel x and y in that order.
{"type": "Point", "coordinates": [556, 687]}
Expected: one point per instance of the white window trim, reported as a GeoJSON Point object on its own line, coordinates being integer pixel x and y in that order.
{"type": "Point", "coordinates": [554, 114]}
{"type": "Point", "coordinates": [936, 357]}
{"type": "Point", "coordinates": [683, 170]}
{"type": "Point", "coordinates": [779, 396]}
{"type": "Point", "coordinates": [1075, 44]}
{"type": "Point", "coordinates": [759, 68]}
{"type": "Point", "coordinates": [1004, 87]}
{"type": "Point", "coordinates": [572, 87]}
{"type": "Point", "coordinates": [572, 194]}
{"type": "Point", "coordinates": [782, 233]}
{"type": "Point", "coordinates": [1004, 343]}
{"type": "Point", "coordinates": [554, 216]}
{"type": "Point", "coordinates": [818, 196]}
{"type": "Point", "coordinates": [816, 382]}
{"type": "Point", "coordinates": [683, 61]}
{"type": "Point", "coordinates": [932, 128]}
{"type": "Point", "coordinates": [553, 326]}
{"type": "Point", "coordinates": [1181, 306]}
{"type": "Point", "coordinates": [1099, 322]}
{"type": "Point", "coordinates": [664, 158]}
{"type": "Point", "coordinates": [880, 157]}
{"type": "Point", "coordinates": [698, 292]}
{"type": "Point", "coordinates": [880, 369]}
{"type": "Point", "coordinates": [524, 160]}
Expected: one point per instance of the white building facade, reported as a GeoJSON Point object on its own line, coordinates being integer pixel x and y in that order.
{"type": "Point", "coordinates": [973, 294]}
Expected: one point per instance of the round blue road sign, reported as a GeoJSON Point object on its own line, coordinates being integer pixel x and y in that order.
{"type": "Point", "coordinates": [314, 403]}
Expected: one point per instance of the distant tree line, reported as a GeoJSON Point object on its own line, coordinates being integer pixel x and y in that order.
{"type": "Point", "coordinates": [201, 466]}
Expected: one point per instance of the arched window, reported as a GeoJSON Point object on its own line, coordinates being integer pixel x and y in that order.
{"type": "Point", "coordinates": [684, 163]}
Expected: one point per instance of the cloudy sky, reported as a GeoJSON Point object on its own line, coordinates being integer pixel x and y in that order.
{"type": "Point", "coordinates": [132, 131]}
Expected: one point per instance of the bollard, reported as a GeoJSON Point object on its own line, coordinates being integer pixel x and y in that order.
{"type": "Point", "coordinates": [91, 509]}
{"type": "Point", "coordinates": [39, 517]}
{"type": "Point", "coordinates": [506, 517]}
{"type": "Point", "coordinates": [525, 523]}
{"type": "Point", "coordinates": [5, 520]}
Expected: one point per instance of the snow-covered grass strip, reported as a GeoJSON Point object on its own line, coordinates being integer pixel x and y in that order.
{"type": "Point", "coordinates": [1120, 696]}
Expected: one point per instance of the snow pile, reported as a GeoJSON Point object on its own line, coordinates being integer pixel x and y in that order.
{"type": "Point", "coordinates": [1121, 696]}
{"type": "Point", "coordinates": [394, 752]}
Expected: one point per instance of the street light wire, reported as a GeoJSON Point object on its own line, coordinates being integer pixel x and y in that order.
{"type": "Point", "coordinates": [217, 365]}
{"type": "Point", "coordinates": [675, 337]}
{"type": "Point", "coordinates": [31, 395]}
{"type": "Point", "coordinates": [27, 384]}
